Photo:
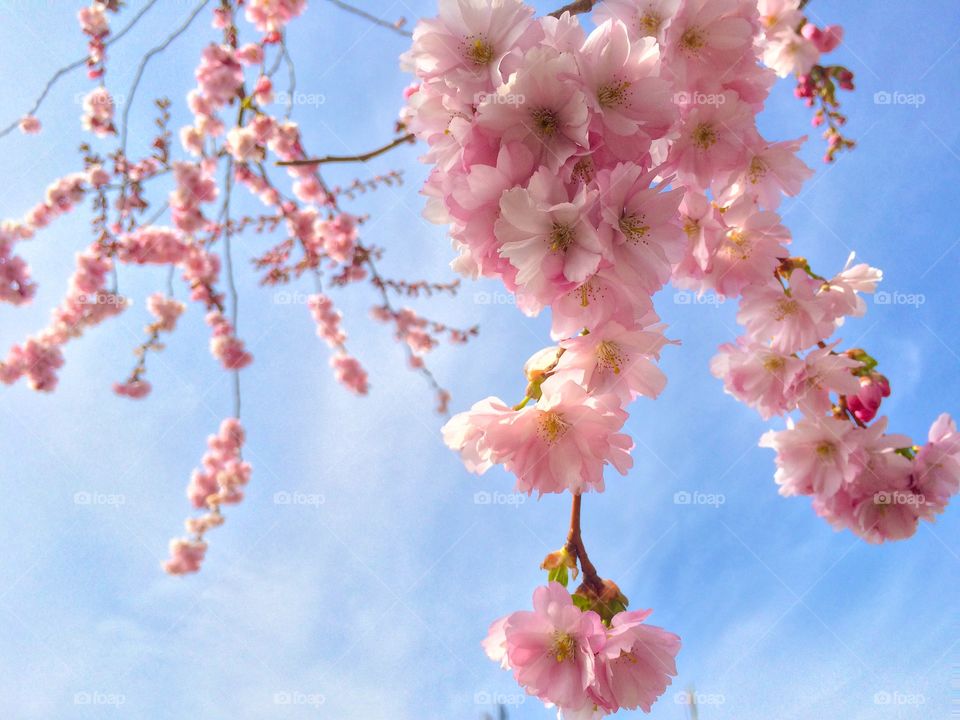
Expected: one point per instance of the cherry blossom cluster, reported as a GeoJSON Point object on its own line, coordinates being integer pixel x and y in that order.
{"type": "Point", "coordinates": [218, 481]}
{"type": "Point", "coordinates": [236, 137]}
{"type": "Point", "coordinates": [794, 46]}
{"type": "Point", "coordinates": [585, 171]}
{"type": "Point", "coordinates": [569, 657]}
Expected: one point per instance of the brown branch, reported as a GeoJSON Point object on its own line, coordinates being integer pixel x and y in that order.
{"type": "Point", "coordinates": [372, 18]}
{"type": "Point", "coordinates": [575, 8]}
{"type": "Point", "coordinates": [408, 138]}
{"type": "Point", "coordinates": [575, 547]}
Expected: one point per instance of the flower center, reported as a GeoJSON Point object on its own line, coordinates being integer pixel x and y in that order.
{"type": "Point", "coordinates": [633, 227]}
{"type": "Point", "coordinates": [545, 121]}
{"type": "Point", "coordinates": [825, 450]}
{"type": "Point", "coordinates": [613, 94]}
{"type": "Point", "coordinates": [758, 169]}
{"type": "Point", "coordinates": [552, 426]}
{"type": "Point", "coordinates": [739, 244]}
{"type": "Point", "coordinates": [564, 645]}
{"type": "Point", "coordinates": [774, 364]}
{"type": "Point", "coordinates": [561, 237]}
{"type": "Point", "coordinates": [609, 356]}
{"type": "Point", "coordinates": [693, 40]}
{"type": "Point", "coordinates": [650, 23]}
{"type": "Point", "coordinates": [704, 136]}
{"type": "Point", "coordinates": [478, 51]}
{"type": "Point", "coordinates": [786, 307]}
{"type": "Point", "coordinates": [583, 170]}
{"type": "Point", "coordinates": [691, 227]}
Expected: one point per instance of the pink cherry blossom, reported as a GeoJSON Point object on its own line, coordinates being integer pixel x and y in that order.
{"type": "Point", "coordinates": [29, 125]}
{"type": "Point", "coordinates": [637, 663]}
{"type": "Point", "coordinates": [98, 112]}
{"type": "Point", "coordinates": [561, 443]}
{"type": "Point", "coordinates": [542, 106]}
{"type": "Point", "coordinates": [615, 359]}
{"type": "Point", "coordinates": [552, 649]}
{"type": "Point", "coordinates": [548, 236]}
{"type": "Point", "coordinates": [813, 456]}
{"type": "Point", "coordinates": [758, 376]}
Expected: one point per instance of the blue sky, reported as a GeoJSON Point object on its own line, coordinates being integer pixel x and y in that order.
{"type": "Point", "coordinates": [370, 600]}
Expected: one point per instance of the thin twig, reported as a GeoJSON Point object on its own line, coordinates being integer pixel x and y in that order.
{"type": "Point", "coordinates": [408, 138]}
{"type": "Point", "coordinates": [74, 65]}
{"type": "Point", "coordinates": [143, 64]}
{"type": "Point", "coordinates": [372, 18]}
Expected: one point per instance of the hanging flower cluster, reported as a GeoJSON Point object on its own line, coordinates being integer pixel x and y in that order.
{"type": "Point", "coordinates": [236, 135]}
{"type": "Point", "coordinates": [585, 171]}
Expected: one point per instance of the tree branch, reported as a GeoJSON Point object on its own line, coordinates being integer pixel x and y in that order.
{"type": "Point", "coordinates": [575, 547]}
{"type": "Point", "coordinates": [408, 138]}
{"type": "Point", "coordinates": [372, 18]}
{"type": "Point", "coordinates": [73, 66]}
{"type": "Point", "coordinates": [575, 8]}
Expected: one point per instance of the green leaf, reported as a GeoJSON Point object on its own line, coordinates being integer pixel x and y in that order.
{"type": "Point", "coordinates": [559, 574]}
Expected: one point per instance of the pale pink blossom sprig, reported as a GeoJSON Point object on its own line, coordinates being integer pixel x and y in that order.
{"type": "Point", "coordinates": [233, 82]}
{"type": "Point", "coordinates": [86, 304]}
{"type": "Point", "coordinates": [98, 112]}
{"type": "Point", "coordinates": [225, 345]}
{"type": "Point", "coordinates": [218, 481]}
{"type": "Point", "coordinates": [270, 16]}
{"type": "Point", "coordinates": [166, 311]}
{"type": "Point", "coordinates": [792, 45]}
{"type": "Point", "coordinates": [95, 24]}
